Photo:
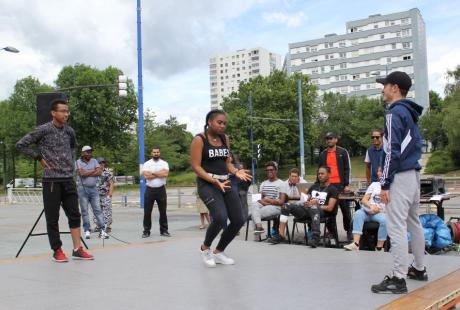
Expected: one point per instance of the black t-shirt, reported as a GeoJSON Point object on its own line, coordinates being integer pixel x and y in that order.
{"type": "Point", "coordinates": [214, 158]}
{"type": "Point", "coordinates": [323, 193]}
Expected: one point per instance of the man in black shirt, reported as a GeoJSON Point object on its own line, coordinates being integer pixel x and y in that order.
{"type": "Point", "coordinates": [321, 202]}
{"type": "Point", "coordinates": [56, 149]}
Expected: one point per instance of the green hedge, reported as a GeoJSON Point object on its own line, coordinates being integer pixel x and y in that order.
{"type": "Point", "coordinates": [440, 162]}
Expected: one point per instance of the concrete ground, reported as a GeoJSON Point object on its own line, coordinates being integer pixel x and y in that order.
{"type": "Point", "coordinates": [160, 272]}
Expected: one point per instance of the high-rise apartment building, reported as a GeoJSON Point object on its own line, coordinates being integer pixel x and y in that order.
{"type": "Point", "coordinates": [226, 71]}
{"type": "Point", "coordinates": [372, 47]}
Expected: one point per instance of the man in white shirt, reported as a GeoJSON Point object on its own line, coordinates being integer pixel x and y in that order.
{"type": "Point", "coordinates": [155, 172]}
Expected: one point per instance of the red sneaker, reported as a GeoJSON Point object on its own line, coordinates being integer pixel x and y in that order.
{"type": "Point", "coordinates": [59, 256]}
{"type": "Point", "coordinates": [81, 254]}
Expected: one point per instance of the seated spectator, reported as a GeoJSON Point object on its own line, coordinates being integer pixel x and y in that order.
{"type": "Point", "coordinates": [321, 202]}
{"type": "Point", "coordinates": [273, 194]}
{"type": "Point", "coordinates": [372, 210]}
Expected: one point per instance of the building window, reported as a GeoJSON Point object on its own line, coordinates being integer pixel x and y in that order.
{"type": "Point", "coordinates": [323, 69]}
{"type": "Point", "coordinates": [343, 65]}
{"type": "Point", "coordinates": [353, 29]}
{"type": "Point", "coordinates": [221, 71]}
{"type": "Point", "coordinates": [221, 89]}
{"type": "Point", "coordinates": [332, 68]}
{"type": "Point", "coordinates": [376, 26]}
{"type": "Point", "coordinates": [342, 77]}
{"type": "Point", "coordinates": [404, 21]}
{"type": "Point", "coordinates": [233, 63]}
{"type": "Point", "coordinates": [406, 45]}
{"type": "Point", "coordinates": [393, 46]}
{"type": "Point", "coordinates": [221, 65]}
{"type": "Point", "coordinates": [405, 32]}
{"type": "Point", "coordinates": [356, 77]}
{"type": "Point", "coordinates": [388, 60]}
{"type": "Point", "coordinates": [314, 49]}
{"type": "Point", "coordinates": [392, 23]}
{"type": "Point", "coordinates": [343, 55]}
{"type": "Point", "coordinates": [387, 23]}
{"type": "Point", "coordinates": [382, 36]}
{"type": "Point", "coordinates": [238, 75]}
{"type": "Point", "coordinates": [328, 44]}
{"type": "Point", "coordinates": [314, 70]}
{"type": "Point", "coordinates": [226, 64]}
{"type": "Point", "coordinates": [407, 57]}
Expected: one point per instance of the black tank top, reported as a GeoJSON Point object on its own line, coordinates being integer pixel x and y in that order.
{"type": "Point", "coordinates": [214, 158]}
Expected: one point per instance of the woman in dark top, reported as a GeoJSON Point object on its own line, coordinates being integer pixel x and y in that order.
{"type": "Point", "coordinates": [211, 161]}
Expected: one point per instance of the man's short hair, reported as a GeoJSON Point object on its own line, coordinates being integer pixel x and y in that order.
{"type": "Point", "coordinates": [294, 170]}
{"type": "Point", "coordinates": [379, 130]}
{"type": "Point", "coordinates": [272, 164]}
{"type": "Point", "coordinates": [155, 147]}
{"type": "Point", "coordinates": [56, 102]}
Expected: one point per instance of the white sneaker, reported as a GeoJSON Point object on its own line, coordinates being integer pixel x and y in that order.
{"type": "Point", "coordinates": [208, 258]}
{"type": "Point", "coordinates": [221, 258]}
{"type": "Point", "coordinates": [351, 247]}
{"type": "Point", "coordinates": [87, 234]}
{"type": "Point", "coordinates": [103, 235]}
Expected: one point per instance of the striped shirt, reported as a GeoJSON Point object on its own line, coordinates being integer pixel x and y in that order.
{"type": "Point", "coordinates": [272, 190]}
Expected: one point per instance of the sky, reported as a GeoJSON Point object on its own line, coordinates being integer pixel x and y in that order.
{"type": "Point", "coordinates": [179, 37]}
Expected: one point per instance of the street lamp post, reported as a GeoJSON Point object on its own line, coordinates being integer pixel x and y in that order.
{"type": "Point", "coordinates": [10, 49]}
{"type": "Point", "coordinates": [252, 139]}
{"type": "Point", "coordinates": [4, 164]}
{"type": "Point", "coordinates": [140, 102]}
{"type": "Point", "coordinates": [301, 140]}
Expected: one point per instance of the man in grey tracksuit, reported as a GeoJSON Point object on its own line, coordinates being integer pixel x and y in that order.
{"type": "Point", "coordinates": [401, 183]}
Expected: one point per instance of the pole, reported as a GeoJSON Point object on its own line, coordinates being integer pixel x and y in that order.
{"type": "Point", "coordinates": [5, 181]}
{"type": "Point", "coordinates": [301, 142]}
{"type": "Point", "coordinates": [140, 103]}
{"type": "Point", "coordinates": [252, 139]}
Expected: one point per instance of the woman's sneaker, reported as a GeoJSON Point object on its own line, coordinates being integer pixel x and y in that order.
{"type": "Point", "coordinates": [221, 258]}
{"type": "Point", "coordinates": [351, 247]}
{"type": "Point", "coordinates": [103, 235]}
{"type": "Point", "coordinates": [415, 274]}
{"type": "Point", "coordinates": [59, 256]}
{"type": "Point", "coordinates": [81, 254]}
{"type": "Point", "coordinates": [208, 258]}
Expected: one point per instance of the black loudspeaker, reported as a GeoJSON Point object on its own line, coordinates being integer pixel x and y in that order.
{"type": "Point", "coordinates": [44, 106]}
{"type": "Point", "coordinates": [432, 186]}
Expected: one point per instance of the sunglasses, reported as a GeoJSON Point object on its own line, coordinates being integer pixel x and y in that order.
{"type": "Point", "coordinates": [375, 137]}
{"type": "Point", "coordinates": [329, 138]}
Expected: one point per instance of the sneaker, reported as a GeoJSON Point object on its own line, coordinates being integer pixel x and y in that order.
{"type": "Point", "coordinates": [277, 239]}
{"type": "Point", "coordinates": [59, 256]}
{"type": "Point", "coordinates": [165, 234]}
{"type": "Point", "coordinates": [146, 234]}
{"type": "Point", "coordinates": [97, 229]}
{"type": "Point", "coordinates": [221, 258]}
{"type": "Point", "coordinates": [415, 274]}
{"type": "Point", "coordinates": [259, 230]}
{"type": "Point", "coordinates": [390, 285]}
{"type": "Point", "coordinates": [87, 234]}
{"type": "Point", "coordinates": [313, 242]}
{"type": "Point", "coordinates": [103, 235]}
{"type": "Point", "coordinates": [81, 254]}
{"type": "Point", "coordinates": [208, 258]}
{"type": "Point", "coordinates": [351, 247]}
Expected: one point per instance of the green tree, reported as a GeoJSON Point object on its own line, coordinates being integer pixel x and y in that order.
{"type": "Point", "coordinates": [99, 116]}
{"type": "Point", "coordinates": [451, 112]}
{"type": "Point", "coordinates": [273, 97]}
{"type": "Point", "coordinates": [431, 122]}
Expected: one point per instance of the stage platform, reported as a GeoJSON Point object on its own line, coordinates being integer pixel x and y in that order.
{"type": "Point", "coordinates": [169, 274]}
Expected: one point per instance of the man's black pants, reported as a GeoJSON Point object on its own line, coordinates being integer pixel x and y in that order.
{"type": "Point", "coordinates": [151, 195]}
{"type": "Point", "coordinates": [345, 208]}
{"type": "Point", "coordinates": [55, 193]}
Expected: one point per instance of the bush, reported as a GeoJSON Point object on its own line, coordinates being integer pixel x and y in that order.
{"type": "Point", "coordinates": [440, 162]}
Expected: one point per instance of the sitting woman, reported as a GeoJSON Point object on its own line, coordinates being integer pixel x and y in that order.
{"type": "Point", "coordinates": [372, 210]}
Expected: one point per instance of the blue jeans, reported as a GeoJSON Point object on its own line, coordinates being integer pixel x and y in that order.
{"type": "Point", "coordinates": [90, 195]}
{"type": "Point", "coordinates": [361, 216]}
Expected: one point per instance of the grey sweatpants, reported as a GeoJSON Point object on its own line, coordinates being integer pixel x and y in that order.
{"type": "Point", "coordinates": [402, 216]}
{"type": "Point", "coordinates": [260, 212]}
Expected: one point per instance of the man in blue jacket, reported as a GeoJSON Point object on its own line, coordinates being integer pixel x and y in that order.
{"type": "Point", "coordinates": [400, 182]}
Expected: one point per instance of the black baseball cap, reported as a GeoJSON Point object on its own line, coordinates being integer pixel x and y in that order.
{"type": "Point", "coordinates": [330, 135]}
{"type": "Point", "coordinates": [398, 78]}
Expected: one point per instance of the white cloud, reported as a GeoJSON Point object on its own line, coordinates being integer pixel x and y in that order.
{"type": "Point", "coordinates": [288, 20]}
{"type": "Point", "coordinates": [442, 55]}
